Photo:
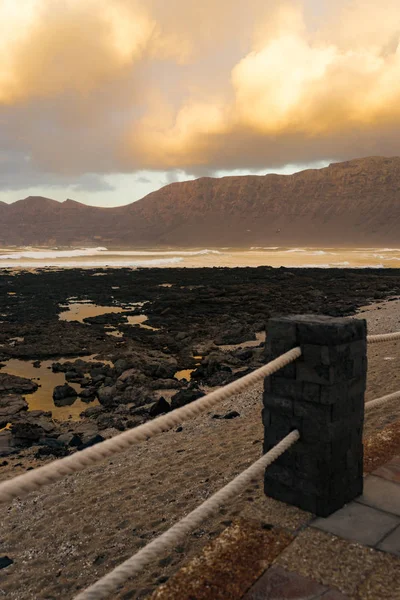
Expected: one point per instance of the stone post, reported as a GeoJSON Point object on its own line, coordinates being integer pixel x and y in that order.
{"type": "Point", "coordinates": [322, 395]}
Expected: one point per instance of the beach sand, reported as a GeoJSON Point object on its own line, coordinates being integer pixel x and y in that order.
{"type": "Point", "coordinates": [73, 532]}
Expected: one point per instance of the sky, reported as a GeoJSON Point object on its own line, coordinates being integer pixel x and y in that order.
{"type": "Point", "coordinates": [104, 101]}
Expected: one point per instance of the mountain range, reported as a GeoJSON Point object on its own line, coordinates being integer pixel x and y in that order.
{"type": "Point", "coordinates": [353, 203]}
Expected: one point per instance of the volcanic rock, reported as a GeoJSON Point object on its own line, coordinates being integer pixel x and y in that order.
{"type": "Point", "coordinates": [185, 397]}
{"type": "Point", "coordinates": [5, 562]}
{"type": "Point", "coordinates": [160, 407]}
{"type": "Point", "coordinates": [16, 385]}
{"type": "Point", "coordinates": [63, 392]}
{"type": "Point", "coordinates": [10, 406]}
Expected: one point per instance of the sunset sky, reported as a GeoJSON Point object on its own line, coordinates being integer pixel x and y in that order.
{"type": "Point", "coordinates": [104, 101]}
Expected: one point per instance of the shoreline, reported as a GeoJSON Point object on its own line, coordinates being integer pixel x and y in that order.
{"type": "Point", "coordinates": [129, 345]}
{"type": "Point", "coordinates": [198, 257]}
{"type": "Point", "coordinates": [176, 311]}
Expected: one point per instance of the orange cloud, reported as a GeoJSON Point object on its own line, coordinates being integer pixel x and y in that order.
{"type": "Point", "coordinates": [199, 85]}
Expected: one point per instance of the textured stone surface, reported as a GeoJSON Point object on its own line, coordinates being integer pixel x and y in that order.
{"type": "Point", "coordinates": [391, 543]}
{"type": "Point", "coordinates": [390, 471]}
{"type": "Point", "coordinates": [323, 398]}
{"type": "Point", "coordinates": [383, 580]}
{"type": "Point", "coordinates": [228, 566]}
{"type": "Point", "coordinates": [382, 494]}
{"type": "Point", "coordinates": [331, 561]}
{"type": "Point", "coordinates": [279, 584]}
{"type": "Point", "coordinates": [359, 523]}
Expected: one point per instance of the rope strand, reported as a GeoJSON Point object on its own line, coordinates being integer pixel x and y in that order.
{"type": "Point", "coordinates": [56, 470]}
{"type": "Point", "coordinates": [378, 401]}
{"type": "Point", "coordinates": [383, 337]}
{"type": "Point", "coordinates": [108, 584]}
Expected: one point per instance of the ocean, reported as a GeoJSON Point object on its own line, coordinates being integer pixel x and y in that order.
{"type": "Point", "coordinates": [39, 258]}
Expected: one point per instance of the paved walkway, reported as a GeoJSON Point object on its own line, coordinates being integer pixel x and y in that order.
{"type": "Point", "coordinates": [373, 522]}
{"type": "Point", "coordinates": [373, 519]}
{"type": "Point", "coordinates": [352, 555]}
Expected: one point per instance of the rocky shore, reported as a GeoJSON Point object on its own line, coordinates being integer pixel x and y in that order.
{"type": "Point", "coordinates": [204, 328]}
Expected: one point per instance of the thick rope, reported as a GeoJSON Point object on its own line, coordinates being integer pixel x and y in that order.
{"type": "Point", "coordinates": [56, 470]}
{"type": "Point", "coordinates": [150, 553]}
{"type": "Point", "coordinates": [383, 337]}
{"type": "Point", "coordinates": [379, 401]}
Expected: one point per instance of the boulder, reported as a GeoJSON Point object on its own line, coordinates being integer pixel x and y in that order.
{"type": "Point", "coordinates": [96, 439]}
{"type": "Point", "coordinates": [233, 414]}
{"type": "Point", "coordinates": [35, 414]}
{"type": "Point", "coordinates": [131, 377]}
{"type": "Point", "coordinates": [74, 377]}
{"type": "Point", "coordinates": [93, 412]}
{"type": "Point", "coordinates": [108, 420]}
{"type": "Point", "coordinates": [26, 433]}
{"type": "Point", "coordinates": [244, 353]}
{"type": "Point", "coordinates": [182, 335]}
{"type": "Point", "coordinates": [235, 335]}
{"type": "Point", "coordinates": [16, 385]}
{"type": "Point", "coordinates": [68, 439]}
{"type": "Point", "coordinates": [165, 384]}
{"type": "Point", "coordinates": [5, 562]}
{"type": "Point", "coordinates": [56, 451]}
{"type": "Point", "coordinates": [123, 364]}
{"type": "Point", "coordinates": [160, 407]}
{"type": "Point", "coordinates": [62, 392]}
{"type": "Point", "coordinates": [185, 397]}
{"type": "Point", "coordinates": [6, 443]}
{"type": "Point", "coordinates": [106, 394]}
{"type": "Point", "coordinates": [10, 406]}
{"type": "Point", "coordinates": [220, 378]}
{"type": "Point", "coordinates": [162, 368]}
{"type": "Point", "coordinates": [88, 393]}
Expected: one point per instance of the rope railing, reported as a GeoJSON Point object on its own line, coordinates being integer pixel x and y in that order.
{"type": "Point", "coordinates": [33, 480]}
{"type": "Point", "coordinates": [110, 582]}
{"type": "Point", "coordinates": [58, 469]}
{"type": "Point", "coordinates": [379, 401]}
{"type": "Point", "coordinates": [376, 339]}
{"type": "Point", "coordinates": [383, 337]}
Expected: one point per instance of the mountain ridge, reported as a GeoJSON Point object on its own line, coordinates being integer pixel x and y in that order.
{"type": "Point", "coordinates": [351, 203]}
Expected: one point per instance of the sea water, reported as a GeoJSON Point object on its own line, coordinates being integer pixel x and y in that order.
{"type": "Point", "coordinates": [100, 257]}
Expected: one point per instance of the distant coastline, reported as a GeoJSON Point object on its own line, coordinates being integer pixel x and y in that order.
{"type": "Point", "coordinates": [275, 256]}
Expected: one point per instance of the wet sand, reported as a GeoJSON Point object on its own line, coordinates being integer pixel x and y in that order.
{"type": "Point", "coordinates": [30, 258]}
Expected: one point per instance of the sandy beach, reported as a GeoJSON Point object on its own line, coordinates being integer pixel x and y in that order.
{"type": "Point", "coordinates": [71, 533]}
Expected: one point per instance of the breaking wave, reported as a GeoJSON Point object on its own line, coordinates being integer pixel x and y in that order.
{"type": "Point", "coordinates": [334, 266]}
{"type": "Point", "coordinates": [155, 262]}
{"type": "Point", "coordinates": [265, 248]}
{"type": "Point", "coordinates": [51, 254]}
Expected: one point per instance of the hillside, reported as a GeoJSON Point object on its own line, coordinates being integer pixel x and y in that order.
{"type": "Point", "coordinates": [349, 204]}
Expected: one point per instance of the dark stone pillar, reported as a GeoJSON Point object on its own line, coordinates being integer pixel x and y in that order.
{"type": "Point", "coordinates": [322, 395]}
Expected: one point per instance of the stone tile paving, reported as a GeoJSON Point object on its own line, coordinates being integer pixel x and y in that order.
{"type": "Point", "coordinates": [359, 523]}
{"type": "Point", "coordinates": [390, 471]}
{"type": "Point", "coordinates": [279, 584]}
{"type": "Point", "coordinates": [381, 494]}
{"type": "Point", "coordinates": [373, 519]}
{"type": "Point", "coordinates": [383, 581]}
{"type": "Point", "coordinates": [391, 543]}
{"type": "Point", "coordinates": [331, 561]}
{"type": "Point", "coordinates": [352, 555]}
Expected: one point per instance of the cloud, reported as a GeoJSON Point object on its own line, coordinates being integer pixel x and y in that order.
{"type": "Point", "coordinates": [17, 172]}
{"type": "Point", "coordinates": [107, 86]}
